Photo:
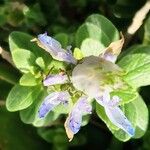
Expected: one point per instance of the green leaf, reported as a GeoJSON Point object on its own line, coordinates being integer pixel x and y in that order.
{"type": "Point", "coordinates": [40, 62]}
{"type": "Point", "coordinates": [126, 96]}
{"type": "Point", "coordinates": [58, 65]}
{"type": "Point", "coordinates": [30, 115]}
{"type": "Point", "coordinates": [21, 97]}
{"type": "Point", "coordinates": [105, 25]}
{"type": "Point", "coordinates": [20, 40]}
{"type": "Point", "coordinates": [24, 60]}
{"type": "Point", "coordinates": [63, 39]}
{"type": "Point", "coordinates": [142, 117]}
{"type": "Point", "coordinates": [29, 79]}
{"type": "Point", "coordinates": [146, 39]}
{"type": "Point", "coordinates": [89, 30]}
{"type": "Point", "coordinates": [136, 63]}
{"type": "Point", "coordinates": [92, 47]}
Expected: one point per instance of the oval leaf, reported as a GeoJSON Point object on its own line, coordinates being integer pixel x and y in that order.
{"type": "Point", "coordinates": [21, 97]}
{"type": "Point", "coordinates": [89, 30]}
{"type": "Point", "coordinates": [24, 60]}
{"type": "Point", "coordinates": [105, 25]}
{"type": "Point", "coordinates": [136, 63]}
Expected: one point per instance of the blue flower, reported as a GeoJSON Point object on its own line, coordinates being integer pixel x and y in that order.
{"type": "Point", "coordinates": [91, 77]}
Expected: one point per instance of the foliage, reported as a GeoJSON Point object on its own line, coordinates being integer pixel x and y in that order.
{"type": "Point", "coordinates": [89, 33]}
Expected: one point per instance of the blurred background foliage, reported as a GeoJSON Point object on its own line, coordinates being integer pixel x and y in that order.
{"type": "Point", "coordinates": [58, 18]}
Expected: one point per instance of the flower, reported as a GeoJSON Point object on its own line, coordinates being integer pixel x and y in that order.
{"type": "Point", "coordinates": [74, 120]}
{"type": "Point", "coordinates": [91, 78]}
{"type": "Point", "coordinates": [55, 49]}
{"type": "Point", "coordinates": [94, 78]}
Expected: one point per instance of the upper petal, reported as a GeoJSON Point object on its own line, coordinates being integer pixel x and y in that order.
{"type": "Point", "coordinates": [55, 49]}
{"type": "Point", "coordinates": [49, 44]}
{"type": "Point", "coordinates": [86, 79]}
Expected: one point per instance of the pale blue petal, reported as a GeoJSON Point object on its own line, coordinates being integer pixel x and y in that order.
{"type": "Point", "coordinates": [104, 99]}
{"type": "Point", "coordinates": [114, 101]}
{"type": "Point", "coordinates": [55, 79]}
{"type": "Point", "coordinates": [110, 57]}
{"type": "Point", "coordinates": [75, 118]}
{"type": "Point", "coordinates": [67, 57]}
{"type": "Point", "coordinates": [51, 101]}
{"type": "Point", "coordinates": [114, 113]}
{"type": "Point", "coordinates": [55, 49]}
{"type": "Point", "coordinates": [75, 122]}
{"type": "Point", "coordinates": [44, 109]}
{"type": "Point", "coordinates": [118, 118]}
{"type": "Point", "coordinates": [83, 106]}
{"type": "Point", "coordinates": [51, 45]}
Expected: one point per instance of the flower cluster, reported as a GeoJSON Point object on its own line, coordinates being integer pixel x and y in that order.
{"type": "Point", "coordinates": [92, 77]}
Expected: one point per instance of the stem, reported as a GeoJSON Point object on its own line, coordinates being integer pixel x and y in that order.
{"type": "Point", "coordinates": [6, 55]}
{"type": "Point", "coordinates": [137, 21]}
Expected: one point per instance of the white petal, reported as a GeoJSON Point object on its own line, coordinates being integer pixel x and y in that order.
{"type": "Point", "coordinates": [87, 80]}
